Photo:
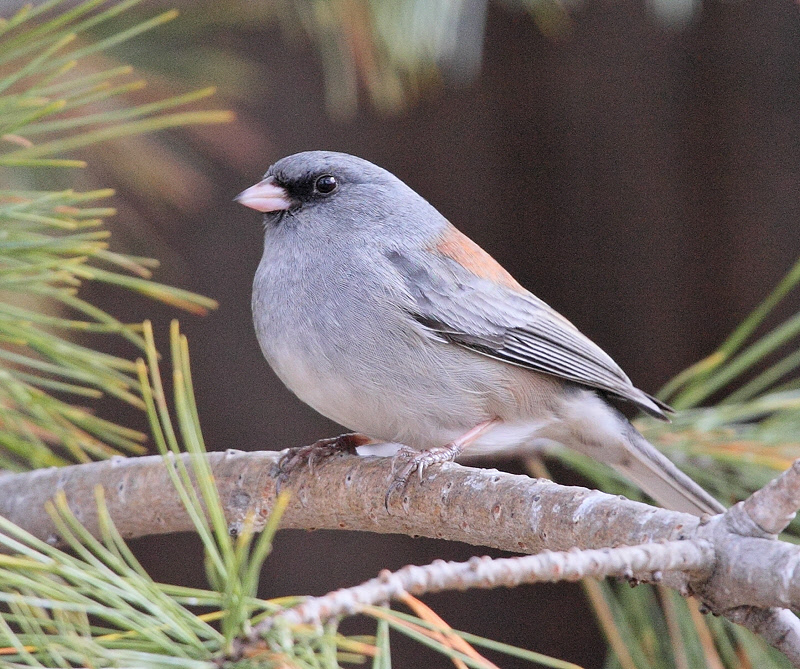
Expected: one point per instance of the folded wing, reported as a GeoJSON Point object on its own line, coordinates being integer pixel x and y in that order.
{"type": "Point", "coordinates": [508, 323]}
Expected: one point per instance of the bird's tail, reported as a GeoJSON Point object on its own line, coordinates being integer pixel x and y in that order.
{"type": "Point", "coordinates": [595, 428]}
{"type": "Point", "coordinates": [654, 473]}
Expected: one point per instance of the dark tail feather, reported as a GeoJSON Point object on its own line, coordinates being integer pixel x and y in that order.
{"type": "Point", "coordinates": [663, 481]}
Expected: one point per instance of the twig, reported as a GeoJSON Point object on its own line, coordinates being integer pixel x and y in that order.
{"type": "Point", "coordinates": [773, 507]}
{"type": "Point", "coordinates": [648, 561]}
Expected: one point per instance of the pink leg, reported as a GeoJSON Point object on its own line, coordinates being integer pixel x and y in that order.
{"type": "Point", "coordinates": [419, 460]}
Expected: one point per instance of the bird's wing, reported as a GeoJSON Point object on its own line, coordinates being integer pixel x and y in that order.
{"type": "Point", "coordinates": [479, 306]}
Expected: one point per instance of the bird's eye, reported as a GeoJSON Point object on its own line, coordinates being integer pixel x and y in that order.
{"type": "Point", "coordinates": [326, 184]}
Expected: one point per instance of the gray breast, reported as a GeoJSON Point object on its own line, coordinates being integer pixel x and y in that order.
{"type": "Point", "coordinates": [341, 339]}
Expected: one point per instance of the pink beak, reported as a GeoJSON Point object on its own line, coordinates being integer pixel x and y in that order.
{"type": "Point", "coordinates": [265, 196]}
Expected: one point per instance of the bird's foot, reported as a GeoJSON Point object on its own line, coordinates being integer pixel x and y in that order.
{"type": "Point", "coordinates": [313, 454]}
{"type": "Point", "coordinates": [417, 461]}
{"type": "Point", "coordinates": [407, 461]}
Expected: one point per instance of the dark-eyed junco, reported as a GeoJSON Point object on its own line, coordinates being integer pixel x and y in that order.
{"type": "Point", "coordinates": [373, 309]}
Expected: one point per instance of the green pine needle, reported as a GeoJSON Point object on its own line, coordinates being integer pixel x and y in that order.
{"type": "Point", "coordinates": [53, 242]}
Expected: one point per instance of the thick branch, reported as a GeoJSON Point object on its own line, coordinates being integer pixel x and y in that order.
{"type": "Point", "coordinates": [477, 506]}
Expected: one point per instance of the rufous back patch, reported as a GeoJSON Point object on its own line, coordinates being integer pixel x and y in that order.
{"type": "Point", "coordinates": [456, 245]}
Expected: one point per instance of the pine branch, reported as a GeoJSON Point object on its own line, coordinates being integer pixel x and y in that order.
{"type": "Point", "coordinates": [477, 506]}
{"type": "Point", "coordinates": [53, 101]}
{"type": "Point", "coordinates": [738, 567]}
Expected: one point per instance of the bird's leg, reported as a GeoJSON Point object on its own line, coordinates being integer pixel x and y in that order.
{"type": "Point", "coordinates": [419, 460]}
{"type": "Point", "coordinates": [319, 450]}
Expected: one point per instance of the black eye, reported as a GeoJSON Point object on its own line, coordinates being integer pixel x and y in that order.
{"type": "Point", "coordinates": [326, 184]}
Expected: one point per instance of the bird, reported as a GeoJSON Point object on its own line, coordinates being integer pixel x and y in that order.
{"type": "Point", "coordinates": [377, 312]}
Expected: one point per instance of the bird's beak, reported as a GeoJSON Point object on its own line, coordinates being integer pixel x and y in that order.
{"type": "Point", "coordinates": [265, 196]}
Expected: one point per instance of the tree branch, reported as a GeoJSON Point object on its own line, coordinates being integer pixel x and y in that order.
{"type": "Point", "coordinates": [744, 574]}
{"type": "Point", "coordinates": [484, 572]}
{"type": "Point", "coordinates": [482, 507]}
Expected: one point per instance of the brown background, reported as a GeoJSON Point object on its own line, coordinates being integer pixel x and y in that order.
{"type": "Point", "coordinates": [641, 178]}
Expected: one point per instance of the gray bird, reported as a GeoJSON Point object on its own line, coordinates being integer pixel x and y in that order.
{"type": "Point", "coordinates": [377, 312]}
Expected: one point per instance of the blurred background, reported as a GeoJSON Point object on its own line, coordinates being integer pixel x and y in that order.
{"type": "Point", "coordinates": [635, 164]}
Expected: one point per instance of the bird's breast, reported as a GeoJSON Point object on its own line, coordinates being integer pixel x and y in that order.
{"type": "Point", "coordinates": [342, 339]}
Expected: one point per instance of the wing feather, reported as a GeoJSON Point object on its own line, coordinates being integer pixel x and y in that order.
{"type": "Point", "coordinates": [509, 324]}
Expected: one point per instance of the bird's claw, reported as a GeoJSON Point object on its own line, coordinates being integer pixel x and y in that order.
{"type": "Point", "coordinates": [407, 457]}
{"type": "Point", "coordinates": [416, 461]}
{"type": "Point", "coordinates": [314, 453]}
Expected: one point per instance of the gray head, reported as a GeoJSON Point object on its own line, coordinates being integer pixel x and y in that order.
{"type": "Point", "coordinates": [332, 192]}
